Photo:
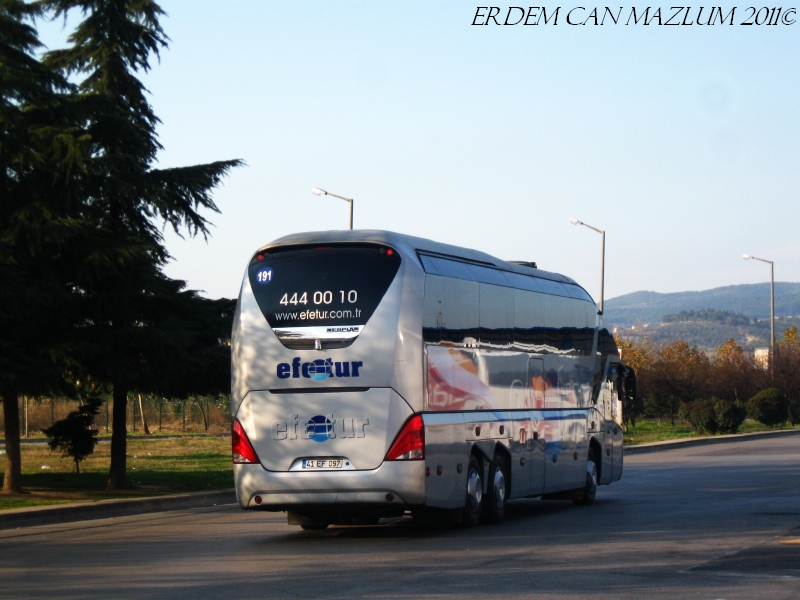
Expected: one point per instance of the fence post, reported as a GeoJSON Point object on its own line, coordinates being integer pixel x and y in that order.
{"type": "Point", "coordinates": [107, 413]}
{"type": "Point", "coordinates": [52, 411]}
{"type": "Point", "coordinates": [160, 408]}
{"type": "Point", "coordinates": [133, 406]}
{"type": "Point", "coordinates": [183, 409]}
{"type": "Point", "coordinates": [25, 413]}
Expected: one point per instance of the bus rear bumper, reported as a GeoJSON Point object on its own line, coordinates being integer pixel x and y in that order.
{"type": "Point", "coordinates": [395, 483]}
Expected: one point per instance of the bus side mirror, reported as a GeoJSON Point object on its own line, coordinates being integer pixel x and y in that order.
{"type": "Point", "coordinates": [630, 388]}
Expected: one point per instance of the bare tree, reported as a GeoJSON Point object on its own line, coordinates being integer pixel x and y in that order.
{"type": "Point", "coordinates": [787, 371]}
{"type": "Point", "coordinates": [145, 428]}
{"type": "Point", "coordinates": [734, 375]}
{"type": "Point", "coordinates": [679, 374]}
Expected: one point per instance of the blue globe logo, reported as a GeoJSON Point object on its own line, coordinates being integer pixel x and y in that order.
{"type": "Point", "coordinates": [320, 369]}
{"type": "Point", "coordinates": [321, 429]}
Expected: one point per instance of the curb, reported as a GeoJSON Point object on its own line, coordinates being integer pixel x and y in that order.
{"type": "Point", "coordinates": [103, 509]}
{"type": "Point", "coordinates": [703, 441]}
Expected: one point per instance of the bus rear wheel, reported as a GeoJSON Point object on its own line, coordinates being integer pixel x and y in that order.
{"type": "Point", "coordinates": [494, 506]}
{"type": "Point", "coordinates": [474, 499]}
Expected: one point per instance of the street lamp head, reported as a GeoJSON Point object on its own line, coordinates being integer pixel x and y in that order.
{"type": "Point", "coordinates": [318, 192]}
{"type": "Point", "coordinates": [575, 222]}
{"type": "Point", "coordinates": [746, 256]}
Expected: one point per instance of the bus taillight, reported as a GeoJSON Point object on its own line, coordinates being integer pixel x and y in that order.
{"type": "Point", "coordinates": [243, 452]}
{"type": "Point", "coordinates": [410, 442]}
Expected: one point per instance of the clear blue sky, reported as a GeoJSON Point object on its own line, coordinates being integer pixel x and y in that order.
{"type": "Point", "coordinates": [682, 142]}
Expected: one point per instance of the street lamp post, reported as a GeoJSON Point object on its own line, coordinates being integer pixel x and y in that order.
{"type": "Point", "coordinates": [602, 257]}
{"type": "Point", "coordinates": [771, 305]}
{"type": "Point", "coordinates": [319, 192]}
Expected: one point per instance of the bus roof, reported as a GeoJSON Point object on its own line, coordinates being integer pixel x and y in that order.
{"type": "Point", "coordinates": [410, 244]}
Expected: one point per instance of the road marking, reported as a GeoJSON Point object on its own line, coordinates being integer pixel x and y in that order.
{"type": "Point", "coordinates": [733, 574]}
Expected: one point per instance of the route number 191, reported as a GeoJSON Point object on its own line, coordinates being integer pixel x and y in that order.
{"type": "Point", "coordinates": [264, 276]}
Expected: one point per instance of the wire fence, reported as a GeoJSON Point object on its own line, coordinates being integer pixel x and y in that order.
{"type": "Point", "coordinates": [146, 414]}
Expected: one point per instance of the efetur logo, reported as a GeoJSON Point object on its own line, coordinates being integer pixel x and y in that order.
{"type": "Point", "coordinates": [319, 369]}
{"type": "Point", "coordinates": [319, 428]}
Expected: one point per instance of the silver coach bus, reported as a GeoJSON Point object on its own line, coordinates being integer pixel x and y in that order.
{"type": "Point", "coordinates": [375, 373]}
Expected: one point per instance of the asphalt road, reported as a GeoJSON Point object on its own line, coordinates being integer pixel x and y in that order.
{"type": "Point", "coordinates": [702, 522]}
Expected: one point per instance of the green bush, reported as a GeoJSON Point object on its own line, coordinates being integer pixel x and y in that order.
{"type": "Point", "coordinates": [730, 415]}
{"type": "Point", "coordinates": [651, 407]}
{"type": "Point", "coordinates": [794, 410]}
{"type": "Point", "coordinates": [700, 415]}
{"type": "Point", "coordinates": [768, 406]}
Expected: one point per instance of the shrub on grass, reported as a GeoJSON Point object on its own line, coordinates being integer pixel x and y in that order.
{"type": "Point", "coordinates": [794, 410]}
{"type": "Point", "coordinates": [74, 435]}
{"type": "Point", "coordinates": [730, 415]}
{"type": "Point", "coordinates": [768, 406]}
{"type": "Point", "coordinates": [700, 415]}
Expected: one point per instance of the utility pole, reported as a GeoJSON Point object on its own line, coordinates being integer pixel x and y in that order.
{"type": "Point", "coordinates": [602, 257]}
{"type": "Point", "coordinates": [771, 359]}
{"type": "Point", "coordinates": [319, 192]}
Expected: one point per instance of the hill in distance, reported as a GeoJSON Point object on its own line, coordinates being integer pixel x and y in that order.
{"type": "Point", "coordinates": [706, 319]}
{"type": "Point", "coordinates": [749, 299]}
{"type": "Point", "coordinates": [708, 335]}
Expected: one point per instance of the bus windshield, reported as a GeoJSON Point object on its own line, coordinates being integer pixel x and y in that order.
{"type": "Point", "coordinates": [323, 296]}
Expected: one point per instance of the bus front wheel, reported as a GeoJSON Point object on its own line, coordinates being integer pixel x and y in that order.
{"type": "Point", "coordinates": [590, 489]}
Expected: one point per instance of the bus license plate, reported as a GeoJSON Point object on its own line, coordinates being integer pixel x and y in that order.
{"type": "Point", "coordinates": [322, 463]}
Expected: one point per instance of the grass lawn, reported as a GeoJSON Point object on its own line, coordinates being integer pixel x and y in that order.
{"type": "Point", "coordinates": [190, 464]}
{"type": "Point", "coordinates": [652, 431]}
{"type": "Point", "coordinates": [155, 467]}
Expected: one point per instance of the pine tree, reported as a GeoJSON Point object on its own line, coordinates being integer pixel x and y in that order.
{"type": "Point", "coordinates": [39, 143]}
{"type": "Point", "coordinates": [119, 192]}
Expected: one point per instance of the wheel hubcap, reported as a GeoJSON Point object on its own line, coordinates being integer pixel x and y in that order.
{"type": "Point", "coordinates": [499, 488]}
{"type": "Point", "coordinates": [474, 489]}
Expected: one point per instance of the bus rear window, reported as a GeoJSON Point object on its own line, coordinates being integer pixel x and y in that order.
{"type": "Point", "coordinates": [321, 295]}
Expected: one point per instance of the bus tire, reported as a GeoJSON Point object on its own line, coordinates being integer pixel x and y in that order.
{"type": "Point", "coordinates": [365, 520]}
{"type": "Point", "coordinates": [590, 489]}
{"type": "Point", "coordinates": [314, 526]}
{"type": "Point", "coordinates": [474, 498]}
{"type": "Point", "coordinates": [494, 503]}
{"type": "Point", "coordinates": [306, 523]}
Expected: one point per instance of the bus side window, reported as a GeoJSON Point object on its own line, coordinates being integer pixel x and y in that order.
{"type": "Point", "coordinates": [433, 318]}
{"type": "Point", "coordinates": [460, 311]}
{"type": "Point", "coordinates": [583, 313]}
{"type": "Point", "coordinates": [496, 316]}
{"type": "Point", "coordinates": [528, 319]}
{"type": "Point", "coordinates": [558, 318]}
